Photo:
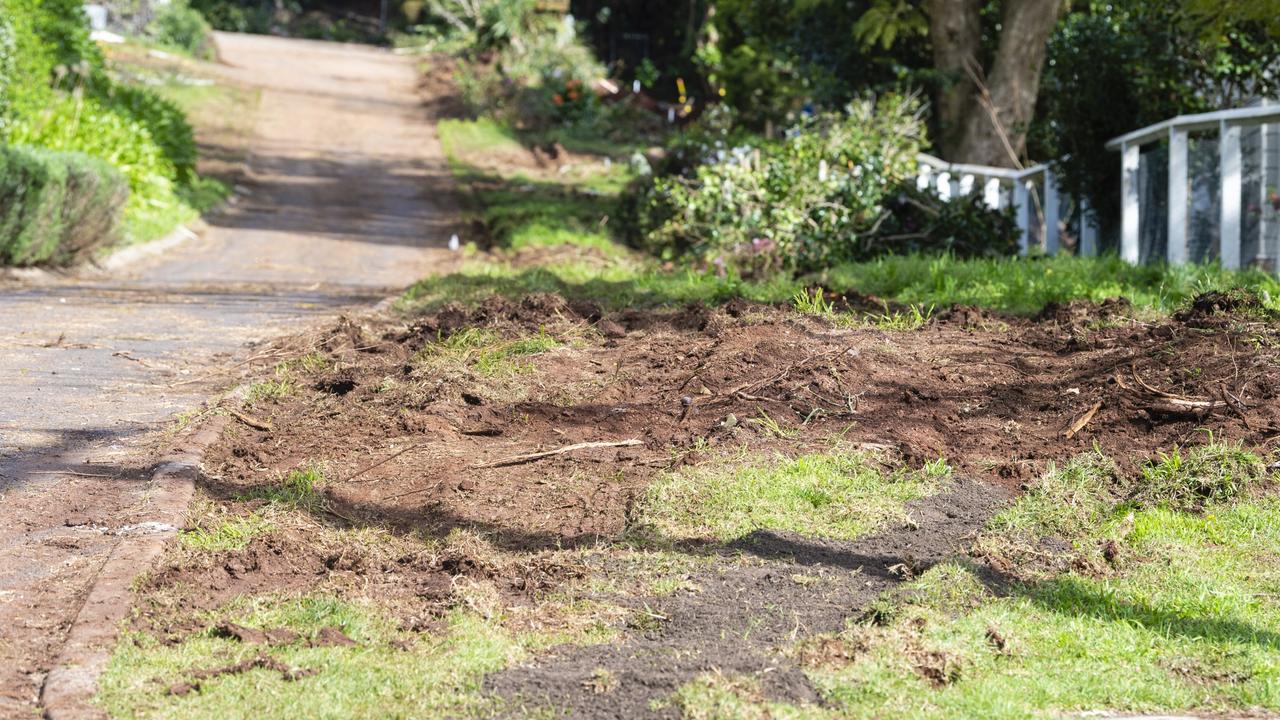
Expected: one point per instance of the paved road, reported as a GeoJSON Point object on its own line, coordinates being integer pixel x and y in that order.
{"type": "Point", "coordinates": [348, 201]}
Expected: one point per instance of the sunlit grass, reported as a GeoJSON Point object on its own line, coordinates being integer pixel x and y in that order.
{"type": "Point", "coordinates": [837, 495]}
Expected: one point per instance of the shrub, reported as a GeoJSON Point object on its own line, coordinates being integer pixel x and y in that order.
{"type": "Point", "coordinates": [165, 123]}
{"type": "Point", "coordinates": [181, 26]}
{"type": "Point", "coordinates": [54, 206]}
{"type": "Point", "coordinates": [771, 203]}
{"type": "Point", "coordinates": [226, 15]}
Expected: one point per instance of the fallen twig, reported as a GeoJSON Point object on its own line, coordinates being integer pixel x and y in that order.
{"type": "Point", "coordinates": [1178, 400]}
{"type": "Point", "coordinates": [249, 420]}
{"type": "Point", "coordinates": [383, 461]}
{"type": "Point", "coordinates": [558, 451]}
{"type": "Point", "coordinates": [68, 472]}
{"type": "Point", "coordinates": [1083, 420]}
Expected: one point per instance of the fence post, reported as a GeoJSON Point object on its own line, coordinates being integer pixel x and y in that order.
{"type": "Point", "coordinates": [1051, 212]}
{"type": "Point", "coordinates": [944, 185]}
{"type": "Point", "coordinates": [1088, 231]}
{"type": "Point", "coordinates": [991, 193]}
{"type": "Point", "coordinates": [1230, 161]}
{"type": "Point", "coordinates": [1022, 206]}
{"type": "Point", "coordinates": [1130, 160]}
{"type": "Point", "coordinates": [1176, 250]}
{"type": "Point", "coordinates": [922, 178]}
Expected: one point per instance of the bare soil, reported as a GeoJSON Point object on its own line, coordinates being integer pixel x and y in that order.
{"type": "Point", "coordinates": [414, 442]}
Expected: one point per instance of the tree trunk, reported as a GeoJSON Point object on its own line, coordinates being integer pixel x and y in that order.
{"type": "Point", "coordinates": [1012, 86]}
{"type": "Point", "coordinates": [955, 28]}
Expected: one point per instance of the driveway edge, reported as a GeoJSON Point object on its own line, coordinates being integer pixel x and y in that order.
{"type": "Point", "coordinates": [72, 683]}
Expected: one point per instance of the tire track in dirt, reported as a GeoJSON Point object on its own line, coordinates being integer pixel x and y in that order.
{"type": "Point", "coordinates": [737, 619]}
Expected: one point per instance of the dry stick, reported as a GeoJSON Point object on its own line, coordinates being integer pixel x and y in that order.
{"type": "Point", "coordinates": [1083, 420]}
{"type": "Point", "coordinates": [250, 421]}
{"type": "Point", "coordinates": [68, 472]}
{"type": "Point", "coordinates": [383, 461]}
{"type": "Point", "coordinates": [558, 451]}
{"type": "Point", "coordinates": [1176, 400]}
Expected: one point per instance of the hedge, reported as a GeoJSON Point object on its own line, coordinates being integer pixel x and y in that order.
{"type": "Point", "coordinates": [55, 207]}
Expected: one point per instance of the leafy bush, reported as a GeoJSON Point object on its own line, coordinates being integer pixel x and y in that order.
{"type": "Point", "coordinates": [164, 121]}
{"type": "Point", "coordinates": [55, 207]}
{"type": "Point", "coordinates": [181, 26]}
{"type": "Point", "coordinates": [233, 17]}
{"type": "Point", "coordinates": [802, 202]}
{"type": "Point", "coordinates": [61, 98]}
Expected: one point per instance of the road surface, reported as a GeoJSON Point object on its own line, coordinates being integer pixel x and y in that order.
{"type": "Point", "coordinates": [348, 200]}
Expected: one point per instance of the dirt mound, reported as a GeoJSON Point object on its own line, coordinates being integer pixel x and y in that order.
{"type": "Point", "coordinates": [421, 443]}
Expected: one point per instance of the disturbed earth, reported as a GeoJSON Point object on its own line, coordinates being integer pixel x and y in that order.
{"type": "Point", "coordinates": [418, 424]}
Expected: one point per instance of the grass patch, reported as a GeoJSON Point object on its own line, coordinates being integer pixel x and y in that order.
{"type": "Point", "coordinates": [435, 677]}
{"type": "Point", "coordinates": [485, 352]}
{"type": "Point", "coordinates": [468, 138]}
{"type": "Point", "coordinates": [838, 495]}
{"type": "Point", "coordinates": [1215, 472]}
{"type": "Point", "coordinates": [232, 533]}
{"type": "Point", "coordinates": [1188, 627]}
{"type": "Point", "coordinates": [298, 489]}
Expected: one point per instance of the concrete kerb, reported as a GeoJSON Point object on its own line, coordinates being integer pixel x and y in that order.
{"type": "Point", "coordinates": [72, 683]}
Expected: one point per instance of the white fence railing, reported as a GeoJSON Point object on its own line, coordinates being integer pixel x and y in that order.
{"type": "Point", "coordinates": [1229, 126]}
{"type": "Point", "coordinates": [1039, 206]}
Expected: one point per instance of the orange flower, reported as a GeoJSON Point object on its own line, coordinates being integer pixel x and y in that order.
{"type": "Point", "coordinates": [557, 99]}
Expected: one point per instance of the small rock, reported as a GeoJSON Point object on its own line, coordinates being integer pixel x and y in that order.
{"type": "Point", "coordinates": [467, 485]}
{"type": "Point", "coordinates": [182, 688]}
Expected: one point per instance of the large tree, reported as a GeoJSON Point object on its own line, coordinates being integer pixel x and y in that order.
{"type": "Point", "coordinates": [984, 112]}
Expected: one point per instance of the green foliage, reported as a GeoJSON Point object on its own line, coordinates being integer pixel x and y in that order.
{"type": "Point", "coordinates": [8, 65]}
{"type": "Point", "coordinates": [55, 207]}
{"type": "Point", "coordinates": [179, 25]}
{"type": "Point", "coordinates": [776, 57]}
{"type": "Point", "coordinates": [235, 17]}
{"type": "Point", "coordinates": [773, 205]}
{"type": "Point", "coordinates": [1120, 66]}
{"type": "Point", "coordinates": [60, 97]}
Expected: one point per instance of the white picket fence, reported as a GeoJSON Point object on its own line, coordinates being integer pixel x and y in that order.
{"type": "Point", "coordinates": [1040, 208]}
{"type": "Point", "coordinates": [1229, 126]}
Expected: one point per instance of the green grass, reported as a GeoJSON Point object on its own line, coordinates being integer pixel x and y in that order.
{"type": "Point", "coordinates": [463, 138]}
{"type": "Point", "coordinates": [1189, 626]}
{"type": "Point", "coordinates": [1184, 620]}
{"type": "Point", "coordinates": [1015, 285]}
{"type": "Point", "coordinates": [837, 495]}
{"type": "Point", "coordinates": [1215, 472]}
{"type": "Point", "coordinates": [232, 533]}
{"type": "Point", "coordinates": [484, 351]}
{"type": "Point", "coordinates": [298, 488]}
{"type": "Point", "coordinates": [434, 677]}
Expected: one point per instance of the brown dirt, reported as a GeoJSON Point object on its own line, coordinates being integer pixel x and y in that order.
{"type": "Point", "coordinates": [996, 405]}
{"type": "Point", "coordinates": [411, 439]}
